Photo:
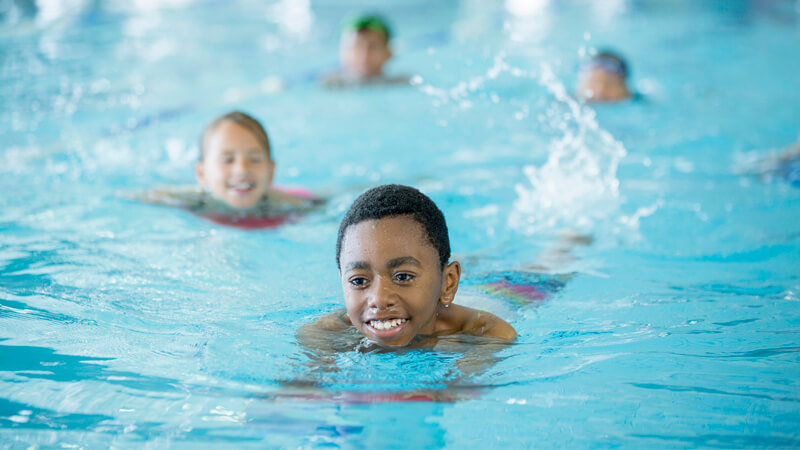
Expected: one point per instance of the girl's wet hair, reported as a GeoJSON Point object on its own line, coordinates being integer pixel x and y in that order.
{"type": "Point", "coordinates": [391, 200]}
{"type": "Point", "coordinates": [245, 121]}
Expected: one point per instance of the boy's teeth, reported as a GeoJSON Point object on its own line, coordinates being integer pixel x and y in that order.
{"type": "Point", "coordinates": [242, 185]}
{"type": "Point", "coordinates": [386, 324]}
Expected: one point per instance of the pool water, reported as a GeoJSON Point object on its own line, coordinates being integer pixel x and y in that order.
{"type": "Point", "coordinates": [129, 325]}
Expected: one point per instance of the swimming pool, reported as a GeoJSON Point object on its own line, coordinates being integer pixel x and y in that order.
{"type": "Point", "coordinates": [127, 324]}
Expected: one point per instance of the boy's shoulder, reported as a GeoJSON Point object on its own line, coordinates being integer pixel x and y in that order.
{"type": "Point", "coordinates": [466, 320]}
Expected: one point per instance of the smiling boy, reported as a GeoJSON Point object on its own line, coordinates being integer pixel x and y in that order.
{"type": "Point", "coordinates": [393, 254]}
{"type": "Point", "coordinates": [364, 50]}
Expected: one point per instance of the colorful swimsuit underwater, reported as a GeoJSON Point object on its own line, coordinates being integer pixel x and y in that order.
{"type": "Point", "coordinates": [257, 222]}
{"type": "Point", "coordinates": [520, 287]}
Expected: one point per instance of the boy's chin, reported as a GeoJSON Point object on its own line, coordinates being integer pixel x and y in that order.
{"type": "Point", "coordinates": [388, 345]}
{"type": "Point", "coordinates": [396, 342]}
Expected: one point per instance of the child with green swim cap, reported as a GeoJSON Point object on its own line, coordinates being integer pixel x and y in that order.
{"type": "Point", "coordinates": [363, 52]}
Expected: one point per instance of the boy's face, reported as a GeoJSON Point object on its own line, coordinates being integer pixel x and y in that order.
{"type": "Point", "coordinates": [597, 85]}
{"type": "Point", "coordinates": [392, 280]}
{"type": "Point", "coordinates": [235, 168]}
{"type": "Point", "coordinates": [364, 52]}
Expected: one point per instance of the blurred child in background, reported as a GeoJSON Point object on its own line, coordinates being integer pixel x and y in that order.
{"type": "Point", "coordinates": [364, 50]}
{"type": "Point", "coordinates": [234, 174]}
{"type": "Point", "coordinates": [603, 78]}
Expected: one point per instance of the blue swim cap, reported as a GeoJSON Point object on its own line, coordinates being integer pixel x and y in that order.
{"type": "Point", "coordinates": [608, 62]}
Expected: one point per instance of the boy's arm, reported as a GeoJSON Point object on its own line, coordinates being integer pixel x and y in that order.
{"type": "Point", "coordinates": [317, 335]}
{"type": "Point", "coordinates": [481, 354]}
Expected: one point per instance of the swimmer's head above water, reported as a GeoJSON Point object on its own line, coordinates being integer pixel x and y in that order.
{"type": "Point", "coordinates": [393, 254]}
{"type": "Point", "coordinates": [603, 78]}
{"type": "Point", "coordinates": [364, 46]}
{"type": "Point", "coordinates": [236, 165]}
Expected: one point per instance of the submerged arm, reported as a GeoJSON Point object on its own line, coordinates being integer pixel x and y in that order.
{"type": "Point", "coordinates": [324, 336]}
{"type": "Point", "coordinates": [177, 197]}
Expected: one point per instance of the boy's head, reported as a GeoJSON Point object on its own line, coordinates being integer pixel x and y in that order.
{"type": "Point", "coordinates": [392, 251]}
{"type": "Point", "coordinates": [364, 46]}
{"type": "Point", "coordinates": [235, 164]}
{"type": "Point", "coordinates": [603, 78]}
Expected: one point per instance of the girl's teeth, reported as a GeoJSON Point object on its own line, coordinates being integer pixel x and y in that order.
{"type": "Point", "coordinates": [386, 324]}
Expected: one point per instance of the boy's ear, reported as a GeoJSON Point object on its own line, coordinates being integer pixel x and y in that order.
{"type": "Point", "coordinates": [452, 274]}
{"type": "Point", "coordinates": [199, 173]}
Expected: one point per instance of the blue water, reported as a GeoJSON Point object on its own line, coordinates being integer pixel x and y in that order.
{"type": "Point", "coordinates": [130, 325]}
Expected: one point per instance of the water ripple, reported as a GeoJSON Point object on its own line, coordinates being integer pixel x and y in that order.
{"type": "Point", "coordinates": [702, 390]}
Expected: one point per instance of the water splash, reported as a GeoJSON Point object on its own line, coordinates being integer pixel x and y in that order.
{"type": "Point", "coordinates": [577, 186]}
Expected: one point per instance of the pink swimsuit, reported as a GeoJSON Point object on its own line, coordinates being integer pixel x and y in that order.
{"type": "Point", "coordinates": [256, 223]}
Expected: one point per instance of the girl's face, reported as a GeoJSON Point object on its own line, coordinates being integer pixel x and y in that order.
{"type": "Point", "coordinates": [235, 167]}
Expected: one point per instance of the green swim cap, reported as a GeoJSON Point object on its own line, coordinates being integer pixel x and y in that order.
{"type": "Point", "coordinates": [369, 22]}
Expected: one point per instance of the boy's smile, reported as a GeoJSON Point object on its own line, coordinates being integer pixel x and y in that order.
{"type": "Point", "coordinates": [392, 280]}
{"type": "Point", "coordinates": [235, 167]}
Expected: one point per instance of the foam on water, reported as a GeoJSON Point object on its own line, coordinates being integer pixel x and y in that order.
{"type": "Point", "coordinates": [577, 187]}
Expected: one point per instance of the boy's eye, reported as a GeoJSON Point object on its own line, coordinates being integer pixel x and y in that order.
{"type": "Point", "coordinates": [227, 159]}
{"type": "Point", "coordinates": [358, 281]}
{"type": "Point", "coordinates": [403, 277]}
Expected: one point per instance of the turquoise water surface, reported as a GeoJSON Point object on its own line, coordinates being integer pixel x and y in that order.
{"type": "Point", "coordinates": [130, 325]}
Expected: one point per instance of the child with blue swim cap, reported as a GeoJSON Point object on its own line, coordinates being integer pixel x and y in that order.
{"type": "Point", "coordinates": [364, 50]}
{"type": "Point", "coordinates": [603, 78]}
{"type": "Point", "coordinates": [785, 166]}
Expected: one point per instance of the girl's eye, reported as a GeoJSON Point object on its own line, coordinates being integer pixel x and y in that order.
{"type": "Point", "coordinates": [358, 281]}
{"type": "Point", "coordinates": [257, 158]}
{"type": "Point", "coordinates": [227, 159]}
{"type": "Point", "coordinates": [403, 277]}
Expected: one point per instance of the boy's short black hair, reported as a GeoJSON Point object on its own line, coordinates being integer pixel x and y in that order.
{"type": "Point", "coordinates": [392, 200]}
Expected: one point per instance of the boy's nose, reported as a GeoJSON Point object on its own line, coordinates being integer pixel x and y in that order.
{"type": "Point", "coordinates": [383, 296]}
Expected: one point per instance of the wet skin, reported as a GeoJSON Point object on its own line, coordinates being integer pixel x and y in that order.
{"type": "Point", "coordinates": [363, 53]}
{"type": "Point", "coordinates": [600, 86]}
{"type": "Point", "coordinates": [393, 283]}
{"type": "Point", "coordinates": [235, 169]}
